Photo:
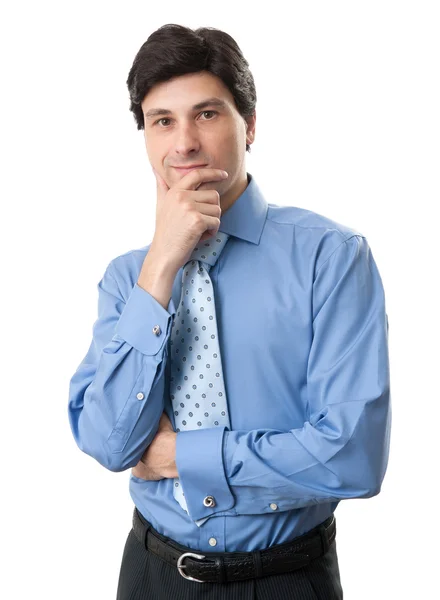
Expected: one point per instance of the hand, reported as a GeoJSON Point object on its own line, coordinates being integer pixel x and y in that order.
{"type": "Point", "coordinates": [158, 461]}
{"type": "Point", "coordinates": [185, 215]}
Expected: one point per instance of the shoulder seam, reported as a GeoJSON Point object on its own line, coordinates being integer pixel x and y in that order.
{"type": "Point", "coordinates": [355, 232]}
{"type": "Point", "coordinates": [338, 246]}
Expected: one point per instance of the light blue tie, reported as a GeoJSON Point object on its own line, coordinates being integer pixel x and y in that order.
{"type": "Point", "coordinates": [197, 390]}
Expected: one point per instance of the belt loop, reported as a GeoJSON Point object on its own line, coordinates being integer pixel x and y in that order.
{"type": "Point", "coordinates": [147, 529]}
{"type": "Point", "coordinates": [256, 555]}
{"type": "Point", "coordinates": [324, 538]}
{"type": "Point", "coordinates": [145, 526]}
{"type": "Point", "coordinates": [221, 569]}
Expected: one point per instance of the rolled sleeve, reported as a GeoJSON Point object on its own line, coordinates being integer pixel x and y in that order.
{"type": "Point", "coordinates": [199, 462]}
{"type": "Point", "coordinates": [142, 316]}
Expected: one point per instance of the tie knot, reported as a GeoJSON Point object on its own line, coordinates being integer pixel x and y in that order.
{"type": "Point", "coordinates": [209, 250]}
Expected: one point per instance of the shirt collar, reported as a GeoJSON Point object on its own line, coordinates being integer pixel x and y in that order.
{"type": "Point", "coordinates": [246, 217]}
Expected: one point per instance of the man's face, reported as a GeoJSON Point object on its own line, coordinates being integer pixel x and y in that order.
{"type": "Point", "coordinates": [210, 135]}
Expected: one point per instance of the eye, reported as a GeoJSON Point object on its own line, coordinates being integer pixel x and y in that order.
{"type": "Point", "coordinates": [159, 120]}
{"type": "Point", "coordinates": [213, 112]}
{"type": "Point", "coordinates": [209, 111]}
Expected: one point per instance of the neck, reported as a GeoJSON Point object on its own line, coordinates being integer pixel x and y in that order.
{"type": "Point", "coordinates": [233, 193]}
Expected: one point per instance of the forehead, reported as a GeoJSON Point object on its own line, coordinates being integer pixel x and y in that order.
{"type": "Point", "coordinates": [184, 91]}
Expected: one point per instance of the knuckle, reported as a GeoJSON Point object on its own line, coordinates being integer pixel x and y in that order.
{"type": "Point", "coordinates": [180, 195]}
{"type": "Point", "coordinates": [197, 218]}
{"type": "Point", "coordinates": [187, 206]}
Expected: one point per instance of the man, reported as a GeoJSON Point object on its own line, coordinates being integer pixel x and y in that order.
{"type": "Point", "coordinates": [239, 362]}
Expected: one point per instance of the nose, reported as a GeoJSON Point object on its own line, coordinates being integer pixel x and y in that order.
{"type": "Point", "coordinates": [186, 140]}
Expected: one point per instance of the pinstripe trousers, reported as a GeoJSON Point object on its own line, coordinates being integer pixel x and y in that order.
{"type": "Point", "coordinates": [143, 575]}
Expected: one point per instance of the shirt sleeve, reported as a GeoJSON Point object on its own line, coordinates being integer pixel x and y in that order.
{"type": "Point", "coordinates": [342, 449]}
{"type": "Point", "coordinates": [116, 393]}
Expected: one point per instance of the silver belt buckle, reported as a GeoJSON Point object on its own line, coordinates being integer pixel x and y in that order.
{"type": "Point", "coordinates": [181, 566]}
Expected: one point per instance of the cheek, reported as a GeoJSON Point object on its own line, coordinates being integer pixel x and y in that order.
{"type": "Point", "coordinates": [156, 154]}
{"type": "Point", "coordinates": [225, 143]}
{"type": "Point", "coordinates": [148, 147]}
{"type": "Point", "coordinates": [232, 138]}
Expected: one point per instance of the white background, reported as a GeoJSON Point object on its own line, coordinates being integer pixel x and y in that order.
{"type": "Point", "coordinates": [347, 126]}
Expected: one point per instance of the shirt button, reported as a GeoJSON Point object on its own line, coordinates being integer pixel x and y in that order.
{"type": "Point", "coordinates": [156, 330]}
{"type": "Point", "coordinates": [212, 542]}
{"type": "Point", "coordinates": [273, 506]}
{"type": "Point", "coordinates": [209, 501]}
{"type": "Point", "coordinates": [140, 396]}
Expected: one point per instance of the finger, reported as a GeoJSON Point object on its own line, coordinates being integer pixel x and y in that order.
{"type": "Point", "coordinates": [138, 471]}
{"type": "Point", "coordinates": [209, 233]}
{"type": "Point", "coordinates": [196, 177]}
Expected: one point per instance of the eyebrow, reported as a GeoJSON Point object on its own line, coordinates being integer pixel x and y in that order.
{"type": "Point", "coordinates": [153, 112]}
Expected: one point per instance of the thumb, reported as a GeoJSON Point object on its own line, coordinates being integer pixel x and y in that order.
{"type": "Point", "coordinates": [161, 185]}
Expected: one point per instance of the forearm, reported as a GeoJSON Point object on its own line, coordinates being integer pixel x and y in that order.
{"type": "Point", "coordinates": [157, 277]}
{"type": "Point", "coordinates": [341, 448]}
{"type": "Point", "coordinates": [255, 472]}
{"type": "Point", "coordinates": [314, 464]}
{"type": "Point", "coordinates": [116, 395]}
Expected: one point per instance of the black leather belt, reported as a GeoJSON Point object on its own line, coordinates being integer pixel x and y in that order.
{"type": "Point", "coordinates": [221, 567]}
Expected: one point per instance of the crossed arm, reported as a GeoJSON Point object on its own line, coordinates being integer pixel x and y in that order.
{"type": "Point", "coordinates": [342, 449]}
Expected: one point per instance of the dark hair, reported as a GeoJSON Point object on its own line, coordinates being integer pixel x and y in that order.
{"type": "Point", "coordinates": [174, 50]}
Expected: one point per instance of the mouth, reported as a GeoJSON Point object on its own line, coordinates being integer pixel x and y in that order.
{"type": "Point", "coordinates": [185, 170]}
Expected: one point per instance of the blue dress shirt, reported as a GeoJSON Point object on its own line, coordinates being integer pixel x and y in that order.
{"type": "Point", "coordinates": [303, 334]}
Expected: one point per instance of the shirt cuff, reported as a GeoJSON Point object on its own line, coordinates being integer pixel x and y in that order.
{"type": "Point", "coordinates": [143, 313]}
{"type": "Point", "coordinates": [199, 462]}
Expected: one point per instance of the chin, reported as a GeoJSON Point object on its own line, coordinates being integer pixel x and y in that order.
{"type": "Point", "coordinates": [212, 185]}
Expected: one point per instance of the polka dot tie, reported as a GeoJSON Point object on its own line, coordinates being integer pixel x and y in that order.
{"type": "Point", "coordinates": [197, 389]}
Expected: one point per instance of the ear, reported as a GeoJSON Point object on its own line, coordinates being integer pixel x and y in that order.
{"type": "Point", "coordinates": [250, 127]}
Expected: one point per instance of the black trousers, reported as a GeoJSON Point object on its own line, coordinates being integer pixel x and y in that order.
{"type": "Point", "coordinates": [144, 575]}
